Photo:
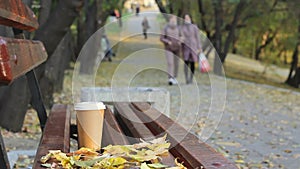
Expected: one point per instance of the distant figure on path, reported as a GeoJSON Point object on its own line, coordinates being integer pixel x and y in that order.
{"type": "Point", "coordinates": [191, 47]}
{"type": "Point", "coordinates": [137, 9]}
{"type": "Point", "coordinates": [145, 25]}
{"type": "Point", "coordinates": [171, 39]}
{"type": "Point", "coordinates": [131, 7]}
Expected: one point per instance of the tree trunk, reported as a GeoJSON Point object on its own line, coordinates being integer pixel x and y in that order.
{"type": "Point", "coordinates": [171, 8]}
{"type": "Point", "coordinates": [59, 61]}
{"type": "Point", "coordinates": [203, 22]}
{"type": "Point", "coordinates": [91, 19]}
{"type": "Point", "coordinates": [217, 4]}
{"type": "Point", "coordinates": [239, 9]}
{"type": "Point", "coordinates": [95, 19]}
{"type": "Point", "coordinates": [285, 57]}
{"type": "Point", "coordinates": [292, 80]}
{"type": "Point", "coordinates": [56, 27]}
{"type": "Point", "coordinates": [264, 45]}
{"type": "Point", "coordinates": [280, 53]}
{"type": "Point", "coordinates": [296, 78]}
{"type": "Point", "coordinates": [80, 32]}
{"type": "Point", "coordinates": [44, 11]}
{"type": "Point", "coordinates": [102, 14]}
{"type": "Point", "coordinates": [234, 45]}
{"type": "Point", "coordinates": [184, 6]}
{"type": "Point", "coordinates": [14, 101]}
{"type": "Point", "coordinates": [294, 64]}
{"type": "Point", "coordinates": [58, 24]}
{"type": "Point", "coordinates": [257, 52]}
{"type": "Point", "coordinates": [91, 27]}
{"type": "Point", "coordinates": [162, 9]}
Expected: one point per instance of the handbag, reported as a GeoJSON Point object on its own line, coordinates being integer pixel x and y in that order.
{"type": "Point", "coordinates": [203, 63]}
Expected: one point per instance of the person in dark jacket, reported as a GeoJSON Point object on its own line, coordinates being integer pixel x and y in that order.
{"type": "Point", "coordinates": [137, 9]}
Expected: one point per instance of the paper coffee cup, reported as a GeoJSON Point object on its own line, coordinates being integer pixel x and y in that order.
{"type": "Point", "coordinates": [90, 116]}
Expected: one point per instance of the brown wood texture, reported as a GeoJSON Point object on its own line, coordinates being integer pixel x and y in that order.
{"type": "Point", "coordinates": [15, 14]}
{"type": "Point", "coordinates": [56, 135]}
{"type": "Point", "coordinates": [18, 56]}
{"type": "Point", "coordinates": [137, 120]}
{"type": "Point", "coordinates": [188, 147]}
{"type": "Point", "coordinates": [112, 133]}
{"type": "Point", "coordinates": [137, 127]}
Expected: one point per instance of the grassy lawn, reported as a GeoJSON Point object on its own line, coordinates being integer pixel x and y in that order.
{"type": "Point", "coordinates": [236, 72]}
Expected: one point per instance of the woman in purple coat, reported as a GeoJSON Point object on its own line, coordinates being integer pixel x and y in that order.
{"type": "Point", "coordinates": [191, 47]}
{"type": "Point", "coordinates": [171, 38]}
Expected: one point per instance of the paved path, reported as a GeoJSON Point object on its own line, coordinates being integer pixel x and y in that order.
{"type": "Point", "coordinates": [260, 124]}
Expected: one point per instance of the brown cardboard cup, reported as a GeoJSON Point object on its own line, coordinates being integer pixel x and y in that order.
{"type": "Point", "coordinates": [90, 116]}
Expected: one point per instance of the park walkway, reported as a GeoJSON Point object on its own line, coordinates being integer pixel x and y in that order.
{"type": "Point", "coordinates": [258, 129]}
{"type": "Point", "coordinates": [260, 124]}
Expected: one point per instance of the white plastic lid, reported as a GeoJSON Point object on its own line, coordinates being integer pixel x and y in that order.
{"type": "Point", "coordinates": [89, 106]}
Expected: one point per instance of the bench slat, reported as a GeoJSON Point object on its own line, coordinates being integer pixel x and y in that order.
{"type": "Point", "coordinates": [137, 128]}
{"type": "Point", "coordinates": [112, 133]}
{"type": "Point", "coordinates": [18, 56]}
{"type": "Point", "coordinates": [188, 147]}
{"type": "Point", "coordinates": [56, 135]}
{"type": "Point", "coordinates": [15, 14]}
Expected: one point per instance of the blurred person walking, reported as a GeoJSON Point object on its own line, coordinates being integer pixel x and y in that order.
{"type": "Point", "coordinates": [171, 39]}
{"type": "Point", "coordinates": [106, 48]}
{"type": "Point", "coordinates": [191, 47]}
{"type": "Point", "coordinates": [131, 7]}
{"type": "Point", "coordinates": [145, 25]}
{"type": "Point", "coordinates": [118, 17]}
{"type": "Point", "coordinates": [137, 9]}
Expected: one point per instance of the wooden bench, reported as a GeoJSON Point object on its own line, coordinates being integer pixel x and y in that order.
{"type": "Point", "coordinates": [19, 56]}
{"type": "Point", "coordinates": [128, 123]}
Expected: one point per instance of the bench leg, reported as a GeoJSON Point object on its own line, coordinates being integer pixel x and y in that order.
{"type": "Point", "coordinates": [4, 164]}
{"type": "Point", "coordinates": [36, 100]}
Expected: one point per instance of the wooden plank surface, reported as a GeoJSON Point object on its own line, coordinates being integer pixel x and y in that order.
{"type": "Point", "coordinates": [189, 148]}
{"type": "Point", "coordinates": [136, 127]}
{"type": "Point", "coordinates": [112, 133]}
{"type": "Point", "coordinates": [56, 135]}
{"type": "Point", "coordinates": [18, 56]}
{"type": "Point", "coordinates": [15, 14]}
{"type": "Point", "coordinates": [138, 120]}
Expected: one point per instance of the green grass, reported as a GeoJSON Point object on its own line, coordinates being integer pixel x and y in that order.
{"type": "Point", "coordinates": [251, 76]}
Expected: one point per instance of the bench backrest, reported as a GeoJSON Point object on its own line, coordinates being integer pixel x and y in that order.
{"type": "Point", "coordinates": [15, 14]}
{"type": "Point", "coordinates": [18, 56]}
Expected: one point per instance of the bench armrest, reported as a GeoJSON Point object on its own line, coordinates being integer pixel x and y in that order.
{"type": "Point", "coordinates": [56, 135]}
